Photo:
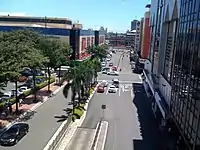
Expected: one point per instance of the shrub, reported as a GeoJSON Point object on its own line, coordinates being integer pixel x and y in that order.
{"type": "Point", "coordinates": [91, 90]}
{"type": "Point", "coordinates": [28, 92]}
{"type": "Point", "coordinates": [78, 112]}
{"type": "Point", "coordinates": [2, 105]}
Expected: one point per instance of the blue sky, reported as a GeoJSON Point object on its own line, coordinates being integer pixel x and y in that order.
{"type": "Point", "coordinates": [116, 15]}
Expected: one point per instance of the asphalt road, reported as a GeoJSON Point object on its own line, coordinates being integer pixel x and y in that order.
{"type": "Point", "coordinates": [121, 113]}
{"type": "Point", "coordinates": [45, 122]}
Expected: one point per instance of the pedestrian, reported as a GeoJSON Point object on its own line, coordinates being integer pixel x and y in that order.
{"type": "Point", "coordinates": [20, 102]}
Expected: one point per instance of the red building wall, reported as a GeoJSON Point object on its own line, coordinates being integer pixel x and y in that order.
{"type": "Point", "coordinates": [145, 39]}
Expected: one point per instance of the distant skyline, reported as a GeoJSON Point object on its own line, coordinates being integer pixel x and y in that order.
{"type": "Point", "coordinates": [116, 15]}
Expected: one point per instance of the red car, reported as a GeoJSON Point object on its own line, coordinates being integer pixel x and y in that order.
{"type": "Point", "coordinates": [114, 68]}
{"type": "Point", "coordinates": [100, 89]}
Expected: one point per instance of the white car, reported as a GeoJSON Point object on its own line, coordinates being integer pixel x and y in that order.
{"type": "Point", "coordinates": [112, 89]}
{"type": "Point", "coordinates": [104, 83]}
{"type": "Point", "coordinates": [115, 73]}
{"type": "Point", "coordinates": [108, 59]}
{"type": "Point", "coordinates": [103, 64]}
{"type": "Point", "coordinates": [23, 89]}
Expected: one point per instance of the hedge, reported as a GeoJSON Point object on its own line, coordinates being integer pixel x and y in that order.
{"type": "Point", "coordinates": [29, 92]}
{"type": "Point", "coordinates": [78, 112]}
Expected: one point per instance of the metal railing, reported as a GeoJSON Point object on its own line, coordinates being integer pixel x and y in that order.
{"type": "Point", "coordinates": [60, 135]}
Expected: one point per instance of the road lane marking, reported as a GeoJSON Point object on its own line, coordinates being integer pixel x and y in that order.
{"type": "Point", "coordinates": [132, 95]}
{"type": "Point", "coordinates": [119, 90]}
{"type": "Point", "coordinates": [122, 88]}
{"type": "Point", "coordinates": [104, 138]}
{"type": "Point", "coordinates": [107, 90]}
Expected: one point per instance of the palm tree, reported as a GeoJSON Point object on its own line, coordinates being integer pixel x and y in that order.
{"type": "Point", "coordinates": [97, 52]}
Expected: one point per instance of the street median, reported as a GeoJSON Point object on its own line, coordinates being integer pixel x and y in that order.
{"type": "Point", "coordinates": [66, 131]}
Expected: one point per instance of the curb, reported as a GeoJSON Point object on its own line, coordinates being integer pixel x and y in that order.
{"type": "Point", "coordinates": [71, 129]}
{"type": "Point", "coordinates": [104, 138]}
{"type": "Point", "coordinates": [96, 130]}
{"type": "Point", "coordinates": [32, 108]}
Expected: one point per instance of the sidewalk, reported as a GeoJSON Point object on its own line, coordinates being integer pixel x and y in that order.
{"type": "Point", "coordinates": [28, 104]}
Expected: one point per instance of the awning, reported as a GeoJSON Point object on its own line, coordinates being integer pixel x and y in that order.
{"type": "Point", "coordinates": [148, 81]}
{"type": "Point", "coordinates": [162, 105]}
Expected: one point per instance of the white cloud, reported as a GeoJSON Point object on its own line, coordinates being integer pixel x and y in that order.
{"type": "Point", "coordinates": [13, 14]}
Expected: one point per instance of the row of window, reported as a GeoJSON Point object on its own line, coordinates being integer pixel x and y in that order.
{"type": "Point", "coordinates": [188, 7]}
{"type": "Point", "coordinates": [68, 22]}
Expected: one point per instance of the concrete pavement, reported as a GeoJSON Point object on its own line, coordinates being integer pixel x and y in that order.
{"type": "Point", "coordinates": [83, 138]}
{"type": "Point", "coordinates": [45, 122]}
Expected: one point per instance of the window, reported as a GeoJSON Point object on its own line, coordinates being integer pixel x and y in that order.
{"type": "Point", "coordinates": [42, 20]}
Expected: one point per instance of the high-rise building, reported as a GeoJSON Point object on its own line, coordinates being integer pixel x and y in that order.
{"type": "Point", "coordinates": [141, 34]}
{"type": "Point", "coordinates": [137, 37]}
{"type": "Point", "coordinates": [145, 35]}
{"type": "Point", "coordinates": [172, 73]}
{"type": "Point", "coordinates": [134, 24]}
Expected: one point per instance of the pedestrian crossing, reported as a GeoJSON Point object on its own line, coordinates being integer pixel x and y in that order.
{"type": "Point", "coordinates": [121, 82]}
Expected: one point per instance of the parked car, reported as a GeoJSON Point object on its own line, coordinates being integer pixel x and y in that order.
{"type": "Point", "coordinates": [115, 73]}
{"type": "Point", "coordinates": [112, 89]}
{"type": "Point", "coordinates": [14, 133]}
{"type": "Point", "coordinates": [23, 89]}
{"type": "Point", "coordinates": [6, 96]}
{"type": "Point", "coordinates": [100, 89]}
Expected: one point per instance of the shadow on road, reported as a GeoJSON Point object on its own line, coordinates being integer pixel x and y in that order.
{"type": "Point", "coordinates": [149, 126]}
{"type": "Point", "coordinates": [61, 118]}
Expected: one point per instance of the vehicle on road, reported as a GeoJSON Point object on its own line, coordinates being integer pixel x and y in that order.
{"type": "Point", "coordinates": [103, 64]}
{"type": "Point", "coordinates": [105, 70]}
{"type": "Point", "coordinates": [116, 83]}
{"type": "Point", "coordinates": [100, 89]}
{"type": "Point", "coordinates": [110, 64]}
{"type": "Point", "coordinates": [114, 68]}
{"type": "Point", "coordinates": [112, 89]}
{"type": "Point", "coordinates": [104, 83]}
{"type": "Point", "coordinates": [115, 73]}
{"type": "Point", "coordinates": [108, 59]}
{"type": "Point", "coordinates": [14, 133]}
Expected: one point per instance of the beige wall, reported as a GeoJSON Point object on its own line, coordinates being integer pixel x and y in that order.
{"type": "Point", "coordinates": [62, 38]}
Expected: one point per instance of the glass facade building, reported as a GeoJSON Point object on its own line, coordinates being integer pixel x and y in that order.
{"type": "Point", "coordinates": [185, 73]}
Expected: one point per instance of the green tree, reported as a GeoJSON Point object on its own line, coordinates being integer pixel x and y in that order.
{"type": "Point", "coordinates": [63, 57]}
{"type": "Point", "coordinates": [19, 49]}
{"type": "Point", "coordinates": [49, 48]}
{"type": "Point", "coordinates": [97, 52]}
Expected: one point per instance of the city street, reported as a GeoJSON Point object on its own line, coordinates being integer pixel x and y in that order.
{"type": "Point", "coordinates": [120, 112]}
{"type": "Point", "coordinates": [45, 122]}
